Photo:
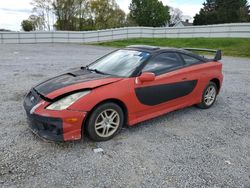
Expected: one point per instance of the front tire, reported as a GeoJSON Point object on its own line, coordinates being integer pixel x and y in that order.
{"type": "Point", "coordinates": [105, 122]}
{"type": "Point", "coordinates": [209, 96]}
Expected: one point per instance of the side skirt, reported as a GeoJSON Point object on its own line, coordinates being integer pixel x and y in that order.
{"type": "Point", "coordinates": [133, 122]}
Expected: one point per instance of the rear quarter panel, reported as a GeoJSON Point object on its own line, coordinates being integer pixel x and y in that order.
{"type": "Point", "coordinates": [204, 73]}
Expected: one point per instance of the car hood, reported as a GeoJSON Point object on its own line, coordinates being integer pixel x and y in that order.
{"type": "Point", "coordinates": [74, 80]}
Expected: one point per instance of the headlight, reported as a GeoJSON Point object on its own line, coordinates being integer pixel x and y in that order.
{"type": "Point", "coordinates": [65, 102]}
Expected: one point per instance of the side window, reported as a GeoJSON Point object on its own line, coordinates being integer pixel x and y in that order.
{"type": "Point", "coordinates": [163, 63]}
{"type": "Point", "coordinates": [190, 60]}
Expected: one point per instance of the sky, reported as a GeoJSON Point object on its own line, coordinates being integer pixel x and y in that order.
{"type": "Point", "coordinates": [12, 12]}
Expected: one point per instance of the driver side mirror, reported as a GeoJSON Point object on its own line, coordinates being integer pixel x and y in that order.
{"type": "Point", "coordinates": [147, 77]}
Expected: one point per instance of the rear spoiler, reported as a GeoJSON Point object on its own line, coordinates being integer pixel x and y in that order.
{"type": "Point", "coordinates": [218, 53]}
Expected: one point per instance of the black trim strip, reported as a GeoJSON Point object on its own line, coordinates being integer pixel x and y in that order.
{"type": "Point", "coordinates": [157, 94]}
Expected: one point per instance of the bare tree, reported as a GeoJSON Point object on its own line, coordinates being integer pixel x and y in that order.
{"type": "Point", "coordinates": [176, 15]}
{"type": "Point", "coordinates": [37, 21]}
{"type": "Point", "coordinates": [44, 10]}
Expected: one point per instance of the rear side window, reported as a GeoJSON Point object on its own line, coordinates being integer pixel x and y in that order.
{"type": "Point", "coordinates": [163, 63]}
{"type": "Point", "coordinates": [190, 60]}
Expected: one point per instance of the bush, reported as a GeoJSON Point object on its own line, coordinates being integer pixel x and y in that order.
{"type": "Point", "coordinates": [28, 25]}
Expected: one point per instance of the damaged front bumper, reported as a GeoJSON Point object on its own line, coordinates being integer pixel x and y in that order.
{"type": "Point", "coordinates": [46, 127]}
{"type": "Point", "coordinates": [52, 125]}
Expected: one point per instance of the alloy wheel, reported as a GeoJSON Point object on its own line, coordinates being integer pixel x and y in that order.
{"type": "Point", "coordinates": [210, 95]}
{"type": "Point", "coordinates": [107, 123]}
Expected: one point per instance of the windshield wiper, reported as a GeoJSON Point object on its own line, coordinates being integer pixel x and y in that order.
{"type": "Point", "coordinates": [96, 70]}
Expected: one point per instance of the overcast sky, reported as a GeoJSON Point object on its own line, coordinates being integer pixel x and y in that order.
{"type": "Point", "coordinates": [12, 12]}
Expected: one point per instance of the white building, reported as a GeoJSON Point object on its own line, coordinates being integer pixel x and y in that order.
{"type": "Point", "coordinates": [183, 24]}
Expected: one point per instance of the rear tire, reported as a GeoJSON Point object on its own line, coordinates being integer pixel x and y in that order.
{"type": "Point", "coordinates": [105, 122]}
{"type": "Point", "coordinates": [209, 96]}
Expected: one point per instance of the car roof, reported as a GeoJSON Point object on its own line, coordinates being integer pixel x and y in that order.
{"type": "Point", "coordinates": [153, 50]}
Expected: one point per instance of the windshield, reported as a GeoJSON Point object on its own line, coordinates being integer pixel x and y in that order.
{"type": "Point", "coordinates": [119, 63]}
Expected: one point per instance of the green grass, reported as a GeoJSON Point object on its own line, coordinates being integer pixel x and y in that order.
{"type": "Point", "coordinates": [230, 46]}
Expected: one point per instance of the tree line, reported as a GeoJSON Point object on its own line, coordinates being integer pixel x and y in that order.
{"type": "Point", "coordinates": [223, 11]}
{"type": "Point", "coordinates": [78, 15]}
{"type": "Point", "coordinates": [75, 15]}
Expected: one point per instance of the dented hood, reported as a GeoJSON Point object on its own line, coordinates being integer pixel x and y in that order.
{"type": "Point", "coordinates": [73, 81]}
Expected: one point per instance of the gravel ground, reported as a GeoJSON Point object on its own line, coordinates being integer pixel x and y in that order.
{"type": "Point", "coordinates": [186, 148]}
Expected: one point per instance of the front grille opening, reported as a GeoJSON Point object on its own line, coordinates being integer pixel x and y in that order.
{"type": "Point", "coordinates": [49, 127]}
{"type": "Point", "coordinates": [52, 128]}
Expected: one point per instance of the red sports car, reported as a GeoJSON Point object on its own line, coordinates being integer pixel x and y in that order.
{"type": "Point", "coordinates": [125, 87]}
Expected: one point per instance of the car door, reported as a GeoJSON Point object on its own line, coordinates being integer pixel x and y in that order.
{"type": "Point", "coordinates": [171, 87]}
